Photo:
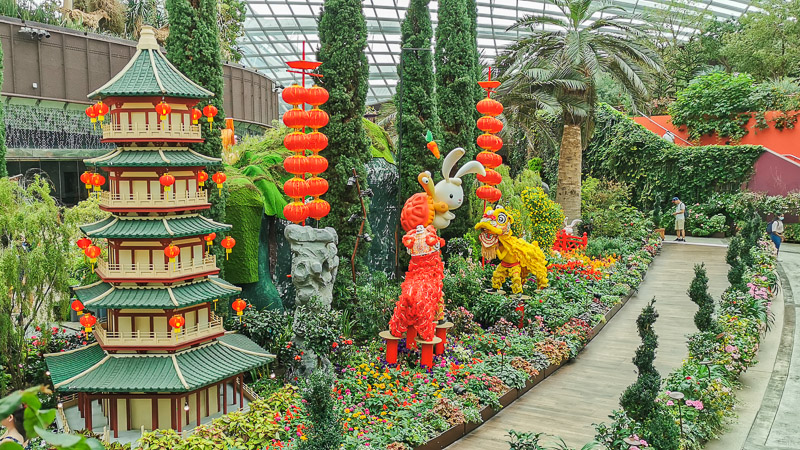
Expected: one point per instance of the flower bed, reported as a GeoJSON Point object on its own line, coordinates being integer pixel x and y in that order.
{"type": "Point", "coordinates": [700, 395]}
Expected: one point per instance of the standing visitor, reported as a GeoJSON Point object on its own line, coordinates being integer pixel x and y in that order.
{"type": "Point", "coordinates": [15, 431]}
{"type": "Point", "coordinates": [775, 230]}
{"type": "Point", "coordinates": [680, 219]}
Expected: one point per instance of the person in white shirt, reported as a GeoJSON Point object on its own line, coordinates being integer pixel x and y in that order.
{"type": "Point", "coordinates": [775, 230]}
{"type": "Point", "coordinates": [680, 219]}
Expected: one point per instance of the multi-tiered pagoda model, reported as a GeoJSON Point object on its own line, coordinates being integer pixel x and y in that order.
{"type": "Point", "coordinates": [144, 371]}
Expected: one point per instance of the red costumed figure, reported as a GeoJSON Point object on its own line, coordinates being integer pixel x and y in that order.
{"type": "Point", "coordinates": [421, 298]}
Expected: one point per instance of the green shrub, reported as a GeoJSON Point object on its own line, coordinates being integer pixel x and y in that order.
{"type": "Point", "coordinates": [489, 308]}
{"type": "Point", "coordinates": [638, 400]}
{"type": "Point", "coordinates": [698, 293]}
{"type": "Point", "coordinates": [318, 404]}
{"type": "Point", "coordinates": [463, 282]}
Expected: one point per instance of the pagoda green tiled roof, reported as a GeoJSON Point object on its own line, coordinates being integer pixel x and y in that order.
{"type": "Point", "coordinates": [149, 73]}
{"type": "Point", "coordinates": [153, 157]}
{"type": "Point", "coordinates": [146, 227]}
{"type": "Point", "coordinates": [183, 371]}
{"type": "Point", "coordinates": [105, 295]}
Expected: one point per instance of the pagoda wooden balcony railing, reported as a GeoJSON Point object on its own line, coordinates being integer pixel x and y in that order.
{"type": "Point", "coordinates": [168, 339]}
{"type": "Point", "coordinates": [157, 271]}
{"type": "Point", "coordinates": [176, 200]}
{"type": "Point", "coordinates": [151, 132]}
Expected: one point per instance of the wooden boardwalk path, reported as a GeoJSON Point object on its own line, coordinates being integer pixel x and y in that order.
{"type": "Point", "coordinates": [586, 390]}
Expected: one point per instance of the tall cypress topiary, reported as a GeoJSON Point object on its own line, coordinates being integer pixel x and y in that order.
{"type": "Point", "coordinates": [343, 39]}
{"type": "Point", "coordinates": [417, 96]}
{"type": "Point", "coordinates": [698, 292]}
{"type": "Point", "coordinates": [638, 400]}
{"type": "Point", "coordinates": [193, 48]}
{"type": "Point", "coordinates": [455, 88]}
{"type": "Point", "coordinates": [3, 168]}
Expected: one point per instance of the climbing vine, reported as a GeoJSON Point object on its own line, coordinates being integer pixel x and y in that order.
{"type": "Point", "coordinates": [656, 169]}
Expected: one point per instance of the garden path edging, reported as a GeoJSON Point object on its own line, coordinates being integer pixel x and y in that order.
{"type": "Point", "coordinates": [456, 432]}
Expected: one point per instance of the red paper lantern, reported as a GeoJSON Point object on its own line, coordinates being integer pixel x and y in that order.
{"type": "Point", "coordinates": [86, 179]}
{"type": "Point", "coordinates": [239, 305]}
{"type": "Point", "coordinates": [295, 141]}
{"type": "Point", "coordinates": [210, 111]}
{"type": "Point", "coordinates": [88, 321]}
{"type": "Point", "coordinates": [83, 243]}
{"type": "Point", "coordinates": [489, 107]}
{"type": "Point", "coordinates": [228, 244]}
{"type": "Point", "coordinates": [77, 306]}
{"type": "Point", "coordinates": [491, 178]}
{"type": "Point", "coordinates": [295, 187]}
{"type": "Point", "coordinates": [210, 239]}
{"type": "Point", "coordinates": [490, 142]}
{"type": "Point", "coordinates": [295, 212]}
{"type": "Point", "coordinates": [92, 252]}
{"type": "Point", "coordinates": [316, 164]}
{"type": "Point", "coordinates": [102, 110]}
{"type": "Point", "coordinates": [489, 193]}
{"type": "Point", "coordinates": [316, 95]}
{"type": "Point", "coordinates": [316, 141]}
{"type": "Point", "coordinates": [318, 208]}
{"type": "Point", "coordinates": [295, 118]}
{"type": "Point", "coordinates": [317, 118]}
{"type": "Point", "coordinates": [163, 110]}
{"type": "Point", "coordinates": [196, 115]}
{"type": "Point", "coordinates": [91, 112]}
{"type": "Point", "coordinates": [167, 181]}
{"type": "Point", "coordinates": [316, 186]}
{"type": "Point", "coordinates": [177, 322]}
{"type": "Point", "coordinates": [97, 181]}
{"type": "Point", "coordinates": [489, 160]}
{"type": "Point", "coordinates": [296, 164]}
{"type": "Point", "coordinates": [172, 251]}
{"type": "Point", "coordinates": [219, 178]}
{"type": "Point", "coordinates": [489, 124]}
{"type": "Point", "coordinates": [294, 94]}
{"type": "Point", "coordinates": [202, 177]}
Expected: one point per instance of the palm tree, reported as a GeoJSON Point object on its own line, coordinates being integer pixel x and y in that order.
{"type": "Point", "coordinates": [589, 39]}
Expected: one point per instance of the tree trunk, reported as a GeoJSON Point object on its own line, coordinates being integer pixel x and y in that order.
{"type": "Point", "coordinates": [568, 193]}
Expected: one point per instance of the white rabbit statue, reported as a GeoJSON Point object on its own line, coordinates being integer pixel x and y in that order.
{"type": "Point", "coordinates": [449, 190]}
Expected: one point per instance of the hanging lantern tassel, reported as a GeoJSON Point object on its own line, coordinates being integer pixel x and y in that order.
{"type": "Point", "coordinates": [228, 244]}
{"type": "Point", "coordinates": [215, 304]}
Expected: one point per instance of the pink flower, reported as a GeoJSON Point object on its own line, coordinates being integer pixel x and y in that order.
{"type": "Point", "coordinates": [669, 403]}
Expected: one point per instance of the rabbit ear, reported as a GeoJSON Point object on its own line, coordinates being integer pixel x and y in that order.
{"type": "Point", "coordinates": [471, 167]}
{"type": "Point", "coordinates": [450, 161]}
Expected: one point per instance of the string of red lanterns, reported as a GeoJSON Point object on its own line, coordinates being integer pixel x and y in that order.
{"type": "Point", "coordinates": [296, 141]}
{"type": "Point", "coordinates": [489, 142]}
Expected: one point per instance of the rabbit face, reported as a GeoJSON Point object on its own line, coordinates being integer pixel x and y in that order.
{"type": "Point", "coordinates": [448, 192]}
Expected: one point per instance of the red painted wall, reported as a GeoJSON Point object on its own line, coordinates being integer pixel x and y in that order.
{"type": "Point", "coordinates": [775, 175]}
{"type": "Point", "coordinates": [784, 142]}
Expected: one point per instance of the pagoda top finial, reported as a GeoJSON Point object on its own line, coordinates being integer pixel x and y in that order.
{"type": "Point", "coordinates": [147, 39]}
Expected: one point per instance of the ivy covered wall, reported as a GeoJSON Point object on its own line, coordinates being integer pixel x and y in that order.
{"type": "Point", "coordinates": [658, 170]}
{"type": "Point", "coordinates": [244, 209]}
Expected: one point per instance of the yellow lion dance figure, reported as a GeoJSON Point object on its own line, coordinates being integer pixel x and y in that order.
{"type": "Point", "coordinates": [518, 258]}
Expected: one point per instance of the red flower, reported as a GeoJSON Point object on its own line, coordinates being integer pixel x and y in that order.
{"type": "Point", "coordinates": [297, 358]}
{"type": "Point", "coordinates": [334, 345]}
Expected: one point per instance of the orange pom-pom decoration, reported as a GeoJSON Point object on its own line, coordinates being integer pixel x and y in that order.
{"type": "Point", "coordinates": [491, 177]}
{"type": "Point", "coordinates": [316, 186]}
{"type": "Point", "coordinates": [294, 94]}
{"type": "Point", "coordinates": [316, 95]}
{"type": "Point", "coordinates": [295, 187]}
{"type": "Point", "coordinates": [317, 209]}
{"type": "Point", "coordinates": [317, 118]}
{"type": "Point", "coordinates": [295, 118]}
{"type": "Point", "coordinates": [295, 212]}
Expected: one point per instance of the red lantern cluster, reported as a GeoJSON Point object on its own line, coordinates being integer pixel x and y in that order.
{"type": "Point", "coordinates": [490, 143]}
{"type": "Point", "coordinates": [298, 187]}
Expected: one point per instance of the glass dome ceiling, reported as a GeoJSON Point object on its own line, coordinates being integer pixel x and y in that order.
{"type": "Point", "coordinates": [276, 29]}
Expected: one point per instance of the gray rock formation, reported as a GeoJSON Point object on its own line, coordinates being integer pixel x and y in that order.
{"type": "Point", "coordinates": [314, 267]}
